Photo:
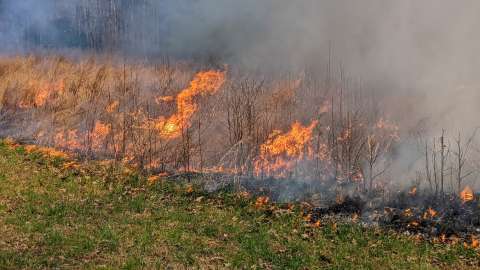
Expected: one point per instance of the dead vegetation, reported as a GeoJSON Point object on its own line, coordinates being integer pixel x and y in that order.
{"type": "Point", "coordinates": [177, 117]}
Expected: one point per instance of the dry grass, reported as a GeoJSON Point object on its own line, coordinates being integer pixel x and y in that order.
{"type": "Point", "coordinates": [103, 108]}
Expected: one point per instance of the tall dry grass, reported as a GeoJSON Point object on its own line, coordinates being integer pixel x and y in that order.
{"type": "Point", "coordinates": [108, 108]}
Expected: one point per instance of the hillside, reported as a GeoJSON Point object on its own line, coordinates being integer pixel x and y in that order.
{"type": "Point", "coordinates": [57, 213]}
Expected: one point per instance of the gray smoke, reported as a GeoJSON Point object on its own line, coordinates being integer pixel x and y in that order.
{"type": "Point", "coordinates": [422, 52]}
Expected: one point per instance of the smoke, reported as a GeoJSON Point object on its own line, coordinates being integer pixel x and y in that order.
{"type": "Point", "coordinates": [424, 53]}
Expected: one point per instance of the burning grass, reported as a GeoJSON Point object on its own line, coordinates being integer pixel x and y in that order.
{"type": "Point", "coordinates": [96, 214]}
{"type": "Point", "coordinates": [173, 117]}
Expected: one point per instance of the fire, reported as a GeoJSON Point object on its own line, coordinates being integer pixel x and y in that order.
{"type": "Point", "coordinates": [112, 107]}
{"type": "Point", "coordinates": [475, 242]}
{"type": "Point", "coordinates": [41, 97]}
{"type": "Point", "coordinates": [307, 218]}
{"type": "Point", "coordinates": [467, 194]}
{"type": "Point", "coordinates": [163, 99]}
{"type": "Point", "coordinates": [280, 152]}
{"type": "Point", "coordinates": [42, 91]}
{"type": "Point", "coordinates": [68, 140]}
{"type": "Point", "coordinates": [408, 212]}
{"type": "Point", "coordinates": [204, 83]}
{"type": "Point", "coordinates": [413, 224]}
{"type": "Point", "coordinates": [430, 213]}
{"type": "Point", "coordinates": [443, 238]}
{"type": "Point", "coordinates": [71, 165]}
{"type": "Point", "coordinates": [261, 201]}
{"type": "Point", "coordinates": [99, 134]}
{"type": "Point", "coordinates": [153, 179]}
{"type": "Point", "coordinates": [50, 152]}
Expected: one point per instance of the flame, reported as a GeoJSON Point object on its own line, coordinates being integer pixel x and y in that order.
{"type": "Point", "coordinates": [261, 201]}
{"type": "Point", "coordinates": [430, 213]}
{"type": "Point", "coordinates": [153, 179]}
{"type": "Point", "coordinates": [204, 83]}
{"type": "Point", "coordinates": [71, 165]}
{"type": "Point", "coordinates": [408, 212]}
{"type": "Point", "coordinates": [50, 152]}
{"type": "Point", "coordinates": [42, 91]}
{"type": "Point", "coordinates": [164, 99]}
{"type": "Point", "coordinates": [475, 242]}
{"type": "Point", "coordinates": [443, 238]}
{"type": "Point", "coordinates": [99, 134]}
{"type": "Point", "coordinates": [467, 194]}
{"type": "Point", "coordinates": [413, 224]}
{"type": "Point", "coordinates": [280, 152]}
{"type": "Point", "coordinates": [41, 97]}
{"type": "Point", "coordinates": [112, 106]}
{"type": "Point", "coordinates": [10, 142]}
{"type": "Point", "coordinates": [68, 140]}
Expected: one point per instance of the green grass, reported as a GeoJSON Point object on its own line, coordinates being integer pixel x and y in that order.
{"type": "Point", "coordinates": [98, 217]}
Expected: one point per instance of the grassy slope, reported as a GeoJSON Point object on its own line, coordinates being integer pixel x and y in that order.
{"type": "Point", "coordinates": [97, 217]}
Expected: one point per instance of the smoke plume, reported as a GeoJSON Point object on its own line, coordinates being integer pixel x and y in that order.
{"type": "Point", "coordinates": [423, 52]}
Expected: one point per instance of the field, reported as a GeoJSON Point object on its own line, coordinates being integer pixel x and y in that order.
{"type": "Point", "coordinates": [59, 213]}
{"type": "Point", "coordinates": [274, 134]}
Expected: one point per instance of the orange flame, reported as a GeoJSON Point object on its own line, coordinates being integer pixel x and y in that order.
{"type": "Point", "coordinates": [413, 224]}
{"type": "Point", "coordinates": [408, 212]}
{"type": "Point", "coordinates": [261, 201]}
{"type": "Point", "coordinates": [430, 213]}
{"type": "Point", "coordinates": [279, 153]}
{"type": "Point", "coordinates": [443, 238]}
{"type": "Point", "coordinates": [204, 83]}
{"type": "Point", "coordinates": [47, 151]}
{"type": "Point", "coordinates": [112, 106]}
{"type": "Point", "coordinates": [467, 194]}
{"type": "Point", "coordinates": [99, 134]}
{"type": "Point", "coordinates": [68, 140]}
{"type": "Point", "coordinates": [42, 91]}
{"type": "Point", "coordinates": [163, 99]}
{"type": "Point", "coordinates": [475, 242]}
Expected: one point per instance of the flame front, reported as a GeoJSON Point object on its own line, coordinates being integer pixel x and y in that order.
{"type": "Point", "coordinates": [280, 152]}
